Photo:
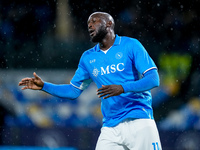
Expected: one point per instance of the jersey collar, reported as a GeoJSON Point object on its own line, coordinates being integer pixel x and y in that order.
{"type": "Point", "coordinates": [117, 42]}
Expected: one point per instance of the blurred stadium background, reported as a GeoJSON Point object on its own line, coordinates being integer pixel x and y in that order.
{"type": "Point", "coordinates": [49, 36]}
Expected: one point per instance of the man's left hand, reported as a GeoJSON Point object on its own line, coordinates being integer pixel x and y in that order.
{"type": "Point", "coordinates": [109, 90]}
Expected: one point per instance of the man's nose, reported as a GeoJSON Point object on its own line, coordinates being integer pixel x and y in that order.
{"type": "Point", "coordinates": [89, 25]}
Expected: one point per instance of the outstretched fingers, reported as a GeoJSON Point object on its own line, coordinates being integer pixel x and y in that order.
{"type": "Point", "coordinates": [25, 87]}
{"type": "Point", "coordinates": [24, 81]}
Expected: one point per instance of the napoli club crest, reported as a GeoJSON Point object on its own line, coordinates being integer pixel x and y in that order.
{"type": "Point", "coordinates": [119, 55]}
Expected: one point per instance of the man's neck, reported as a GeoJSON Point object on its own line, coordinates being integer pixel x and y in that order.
{"type": "Point", "coordinates": [107, 42]}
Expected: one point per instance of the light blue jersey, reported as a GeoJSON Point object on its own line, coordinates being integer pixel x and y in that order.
{"type": "Point", "coordinates": [125, 61]}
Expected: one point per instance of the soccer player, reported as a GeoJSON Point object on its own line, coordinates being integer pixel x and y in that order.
{"type": "Point", "coordinates": [124, 74]}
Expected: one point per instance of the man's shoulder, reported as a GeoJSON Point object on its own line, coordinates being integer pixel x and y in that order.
{"type": "Point", "coordinates": [128, 39]}
{"type": "Point", "coordinates": [128, 42]}
{"type": "Point", "coordinates": [89, 51]}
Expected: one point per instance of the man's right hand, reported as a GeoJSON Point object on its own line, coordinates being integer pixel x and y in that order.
{"type": "Point", "coordinates": [34, 83]}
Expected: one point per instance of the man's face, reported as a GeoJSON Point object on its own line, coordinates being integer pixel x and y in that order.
{"type": "Point", "coordinates": [97, 28]}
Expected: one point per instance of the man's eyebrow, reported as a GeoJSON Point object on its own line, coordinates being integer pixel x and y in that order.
{"type": "Point", "coordinates": [93, 18]}
{"type": "Point", "coordinates": [89, 20]}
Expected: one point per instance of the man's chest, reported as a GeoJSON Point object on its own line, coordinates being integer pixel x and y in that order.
{"type": "Point", "coordinates": [113, 62]}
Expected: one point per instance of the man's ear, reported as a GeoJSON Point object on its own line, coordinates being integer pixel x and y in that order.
{"type": "Point", "coordinates": [109, 24]}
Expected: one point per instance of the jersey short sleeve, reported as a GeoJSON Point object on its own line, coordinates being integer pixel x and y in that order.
{"type": "Point", "coordinates": [143, 62]}
{"type": "Point", "coordinates": [81, 78]}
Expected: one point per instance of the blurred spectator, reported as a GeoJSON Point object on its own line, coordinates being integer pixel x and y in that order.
{"type": "Point", "coordinates": [187, 117]}
{"type": "Point", "coordinates": [8, 107]}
